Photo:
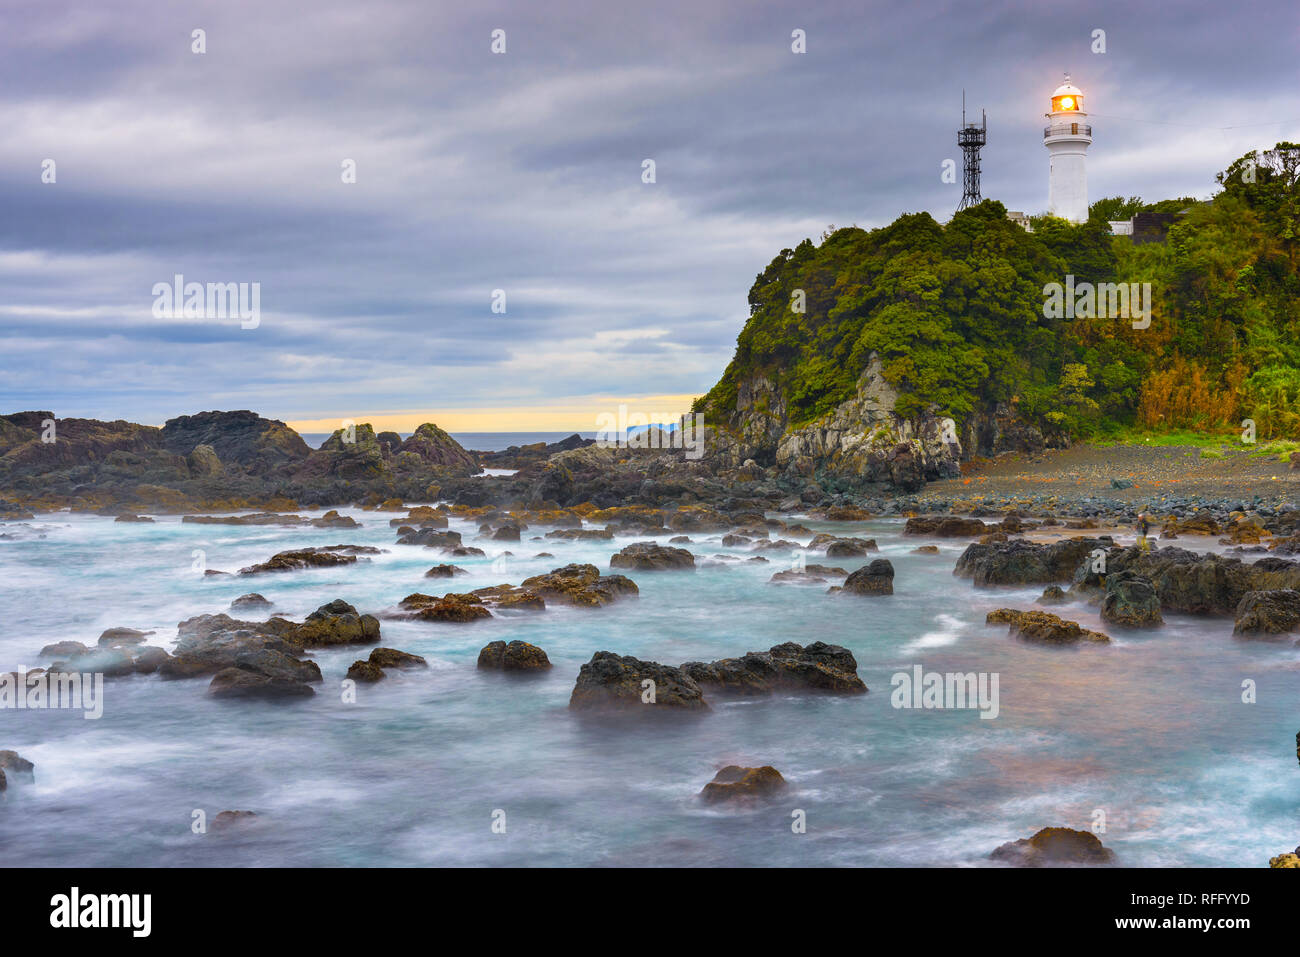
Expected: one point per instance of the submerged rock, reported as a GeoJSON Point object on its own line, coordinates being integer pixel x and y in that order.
{"type": "Point", "coordinates": [251, 600]}
{"type": "Point", "coordinates": [453, 607]}
{"type": "Point", "coordinates": [228, 819]}
{"type": "Point", "coordinates": [239, 683]}
{"type": "Point", "coordinates": [1053, 595]}
{"type": "Point", "coordinates": [516, 656]}
{"type": "Point", "coordinates": [736, 784]}
{"type": "Point", "coordinates": [1055, 847]}
{"type": "Point", "coordinates": [445, 571]}
{"type": "Point", "coordinates": [621, 683]}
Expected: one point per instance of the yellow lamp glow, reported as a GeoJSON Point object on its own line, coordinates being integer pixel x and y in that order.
{"type": "Point", "coordinates": [1067, 102]}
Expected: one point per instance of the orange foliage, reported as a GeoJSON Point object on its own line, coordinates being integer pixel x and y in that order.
{"type": "Point", "coordinates": [1183, 396]}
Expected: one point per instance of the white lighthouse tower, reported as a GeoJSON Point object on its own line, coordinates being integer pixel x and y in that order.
{"type": "Point", "coordinates": [1067, 138]}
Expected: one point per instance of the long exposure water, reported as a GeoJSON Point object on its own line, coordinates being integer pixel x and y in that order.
{"type": "Point", "coordinates": [1151, 730]}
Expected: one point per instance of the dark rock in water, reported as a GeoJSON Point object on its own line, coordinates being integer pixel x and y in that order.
{"type": "Point", "coordinates": [1273, 612]}
{"type": "Point", "coordinates": [149, 660]}
{"type": "Point", "coordinates": [64, 649]}
{"type": "Point", "coordinates": [452, 607]}
{"type": "Point", "coordinates": [332, 519]}
{"type": "Point", "coordinates": [444, 571]}
{"type": "Point", "coordinates": [874, 579]}
{"type": "Point", "coordinates": [392, 658]}
{"type": "Point", "coordinates": [926, 550]}
{"type": "Point", "coordinates": [254, 518]}
{"type": "Point", "coordinates": [1039, 626]}
{"type": "Point", "coordinates": [649, 556]}
{"type": "Point", "coordinates": [516, 656]}
{"type": "Point", "coordinates": [809, 574]}
{"type": "Point", "coordinates": [509, 532]}
{"type": "Point", "coordinates": [278, 665]}
{"type": "Point", "coordinates": [510, 598]}
{"type": "Point", "coordinates": [133, 518]}
{"type": "Point", "coordinates": [581, 585]}
{"type": "Point", "coordinates": [784, 667]}
{"type": "Point", "coordinates": [438, 450]}
{"type": "Point", "coordinates": [1130, 601]}
{"type": "Point", "coordinates": [15, 768]}
{"type": "Point", "coordinates": [228, 819]}
{"type": "Point", "coordinates": [1195, 582]}
{"type": "Point", "coordinates": [1019, 562]}
{"type": "Point", "coordinates": [238, 683]}
{"type": "Point", "coordinates": [366, 671]}
{"type": "Point", "coordinates": [118, 637]}
{"type": "Point", "coordinates": [1055, 847]}
{"type": "Point", "coordinates": [850, 547]}
{"type": "Point", "coordinates": [335, 623]}
{"type": "Point", "coordinates": [617, 683]}
{"type": "Point", "coordinates": [236, 438]}
{"type": "Point", "coordinates": [945, 526]}
{"type": "Point", "coordinates": [1053, 595]}
{"type": "Point", "coordinates": [251, 600]}
{"type": "Point", "coordinates": [736, 784]}
{"type": "Point", "coordinates": [431, 538]}
{"type": "Point", "coordinates": [327, 556]}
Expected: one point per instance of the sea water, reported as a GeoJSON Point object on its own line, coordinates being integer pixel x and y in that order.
{"type": "Point", "coordinates": [1147, 737]}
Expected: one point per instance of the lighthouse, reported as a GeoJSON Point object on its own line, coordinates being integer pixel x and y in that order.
{"type": "Point", "coordinates": [1067, 137]}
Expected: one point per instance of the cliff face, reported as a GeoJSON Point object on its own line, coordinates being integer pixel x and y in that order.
{"type": "Point", "coordinates": [862, 440]}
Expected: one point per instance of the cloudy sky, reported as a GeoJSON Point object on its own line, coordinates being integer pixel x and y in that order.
{"type": "Point", "coordinates": [522, 172]}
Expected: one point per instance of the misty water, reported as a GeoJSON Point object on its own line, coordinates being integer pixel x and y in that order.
{"type": "Point", "coordinates": [1151, 730]}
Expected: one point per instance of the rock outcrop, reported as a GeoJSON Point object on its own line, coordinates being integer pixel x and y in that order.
{"type": "Point", "coordinates": [1040, 627]}
{"type": "Point", "coordinates": [877, 578]}
{"type": "Point", "coordinates": [784, 667]}
{"type": "Point", "coordinates": [1055, 847]}
{"type": "Point", "coordinates": [623, 684]}
{"type": "Point", "coordinates": [1274, 612]}
{"type": "Point", "coordinates": [648, 556]}
{"type": "Point", "coordinates": [734, 784]}
{"type": "Point", "coordinates": [515, 656]}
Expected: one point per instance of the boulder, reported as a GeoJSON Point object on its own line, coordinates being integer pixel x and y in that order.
{"type": "Point", "coordinates": [392, 658]}
{"type": "Point", "coordinates": [335, 623]}
{"type": "Point", "coordinates": [16, 768]}
{"type": "Point", "coordinates": [1020, 562]}
{"type": "Point", "coordinates": [328, 556]}
{"type": "Point", "coordinates": [1130, 601]}
{"type": "Point", "coordinates": [445, 571]}
{"type": "Point", "coordinates": [743, 785]}
{"type": "Point", "coordinates": [616, 683]}
{"type": "Point", "coordinates": [454, 607]}
{"type": "Point", "coordinates": [251, 600]}
{"type": "Point", "coordinates": [1053, 595]}
{"type": "Point", "coordinates": [365, 671]}
{"type": "Point", "coordinates": [874, 579]}
{"type": "Point", "coordinates": [1055, 847]}
{"type": "Point", "coordinates": [649, 556]}
{"type": "Point", "coordinates": [121, 637]}
{"type": "Point", "coordinates": [516, 656]}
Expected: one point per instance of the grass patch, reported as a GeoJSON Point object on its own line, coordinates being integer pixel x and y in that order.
{"type": "Point", "coordinates": [1177, 437]}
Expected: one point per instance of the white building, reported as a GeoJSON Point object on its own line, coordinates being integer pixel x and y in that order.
{"type": "Point", "coordinates": [1067, 137]}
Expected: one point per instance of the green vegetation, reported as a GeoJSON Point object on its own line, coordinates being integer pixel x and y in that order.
{"type": "Point", "coordinates": [956, 315]}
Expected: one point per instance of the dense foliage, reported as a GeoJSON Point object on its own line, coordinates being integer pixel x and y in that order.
{"type": "Point", "coordinates": [956, 314]}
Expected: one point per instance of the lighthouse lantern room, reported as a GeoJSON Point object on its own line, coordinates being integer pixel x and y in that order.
{"type": "Point", "coordinates": [1067, 137]}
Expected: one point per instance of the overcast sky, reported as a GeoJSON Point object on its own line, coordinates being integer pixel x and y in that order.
{"type": "Point", "coordinates": [522, 172]}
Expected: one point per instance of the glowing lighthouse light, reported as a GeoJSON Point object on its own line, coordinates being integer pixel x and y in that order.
{"type": "Point", "coordinates": [1067, 139]}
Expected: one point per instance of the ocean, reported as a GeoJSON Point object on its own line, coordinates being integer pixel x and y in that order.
{"type": "Point", "coordinates": [1149, 734]}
